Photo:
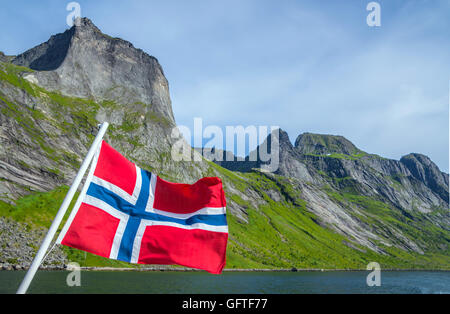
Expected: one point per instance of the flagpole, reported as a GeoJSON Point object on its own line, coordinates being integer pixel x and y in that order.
{"type": "Point", "coordinates": [61, 212]}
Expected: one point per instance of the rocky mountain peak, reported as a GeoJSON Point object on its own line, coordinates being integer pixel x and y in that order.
{"type": "Point", "coordinates": [283, 136]}
{"type": "Point", "coordinates": [423, 169]}
{"type": "Point", "coordinates": [84, 62]}
{"type": "Point", "coordinates": [280, 137]}
{"type": "Point", "coordinates": [86, 23]}
{"type": "Point", "coordinates": [323, 144]}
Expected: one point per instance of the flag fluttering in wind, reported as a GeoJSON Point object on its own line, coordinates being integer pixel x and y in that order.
{"type": "Point", "coordinates": [129, 214]}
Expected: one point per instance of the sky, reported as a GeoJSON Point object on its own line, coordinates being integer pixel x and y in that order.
{"type": "Point", "coordinates": [305, 66]}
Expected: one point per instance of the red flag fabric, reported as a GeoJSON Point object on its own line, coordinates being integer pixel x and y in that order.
{"type": "Point", "coordinates": [132, 215]}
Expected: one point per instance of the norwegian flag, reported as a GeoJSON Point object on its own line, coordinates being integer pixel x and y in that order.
{"type": "Point", "coordinates": [132, 215]}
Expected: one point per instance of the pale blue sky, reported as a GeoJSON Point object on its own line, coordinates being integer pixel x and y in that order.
{"type": "Point", "coordinates": [306, 66]}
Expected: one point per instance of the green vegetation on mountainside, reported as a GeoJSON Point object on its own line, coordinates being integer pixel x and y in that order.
{"type": "Point", "coordinates": [277, 234]}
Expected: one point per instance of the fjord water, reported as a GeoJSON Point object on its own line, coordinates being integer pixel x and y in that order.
{"type": "Point", "coordinates": [230, 282]}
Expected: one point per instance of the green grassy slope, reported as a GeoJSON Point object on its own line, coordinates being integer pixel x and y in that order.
{"type": "Point", "coordinates": [277, 235]}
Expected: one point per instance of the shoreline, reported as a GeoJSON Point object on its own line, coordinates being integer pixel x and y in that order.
{"type": "Point", "coordinates": [163, 268]}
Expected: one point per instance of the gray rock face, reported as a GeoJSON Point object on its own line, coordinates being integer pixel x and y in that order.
{"type": "Point", "coordinates": [44, 136]}
{"type": "Point", "coordinates": [289, 163]}
{"type": "Point", "coordinates": [423, 169]}
{"type": "Point", "coordinates": [414, 182]}
{"type": "Point", "coordinates": [47, 56]}
{"type": "Point", "coordinates": [328, 165]}
{"type": "Point", "coordinates": [84, 62]}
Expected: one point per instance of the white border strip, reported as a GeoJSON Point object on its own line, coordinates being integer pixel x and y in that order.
{"type": "Point", "coordinates": [199, 226]}
{"type": "Point", "coordinates": [203, 211]}
{"type": "Point", "coordinates": [151, 197]}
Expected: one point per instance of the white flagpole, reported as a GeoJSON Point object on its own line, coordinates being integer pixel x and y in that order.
{"type": "Point", "coordinates": [62, 210]}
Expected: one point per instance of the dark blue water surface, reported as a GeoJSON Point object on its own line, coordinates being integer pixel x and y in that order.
{"type": "Point", "coordinates": [230, 282]}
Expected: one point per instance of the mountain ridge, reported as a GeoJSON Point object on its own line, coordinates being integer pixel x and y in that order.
{"type": "Point", "coordinates": [328, 204]}
{"type": "Point", "coordinates": [83, 62]}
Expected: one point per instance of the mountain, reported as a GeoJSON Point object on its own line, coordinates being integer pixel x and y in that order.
{"type": "Point", "coordinates": [83, 62]}
{"type": "Point", "coordinates": [341, 184]}
{"type": "Point", "coordinates": [321, 203]}
{"type": "Point", "coordinates": [68, 85]}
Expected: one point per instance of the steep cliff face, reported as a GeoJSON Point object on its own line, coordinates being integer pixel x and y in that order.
{"type": "Point", "coordinates": [53, 96]}
{"type": "Point", "coordinates": [423, 169]}
{"type": "Point", "coordinates": [344, 186]}
{"type": "Point", "coordinates": [83, 62]}
{"type": "Point", "coordinates": [355, 177]}
{"type": "Point", "coordinates": [413, 183]}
